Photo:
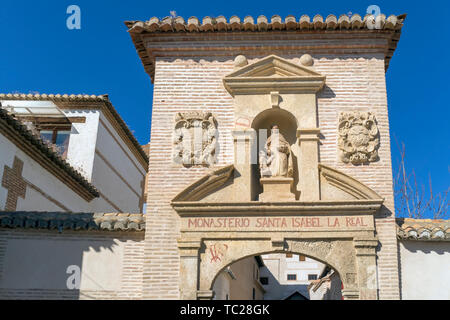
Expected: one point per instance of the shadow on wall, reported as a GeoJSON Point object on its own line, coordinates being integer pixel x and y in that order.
{"type": "Point", "coordinates": [67, 264]}
{"type": "Point", "coordinates": [280, 53]}
{"type": "Point", "coordinates": [439, 248]}
{"type": "Point", "coordinates": [52, 265]}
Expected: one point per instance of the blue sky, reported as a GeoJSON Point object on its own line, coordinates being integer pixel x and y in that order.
{"type": "Point", "coordinates": [39, 54]}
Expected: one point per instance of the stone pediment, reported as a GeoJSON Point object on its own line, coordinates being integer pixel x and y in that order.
{"type": "Point", "coordinates": [273, 73]}
{"type": "Point", "coordinates": [336, 185]}
{"type": "Point", "coordinates": [206, 185]}
{"type": "Point", "coordinates": [273, 66]}
{"type": "Point", "coordinates": [339, 193]}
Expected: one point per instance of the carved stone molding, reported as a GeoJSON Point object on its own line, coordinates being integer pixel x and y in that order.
{"type": "Point", "coordinates": [358, 137]}
{"type": "Point", "coordinates": [317, 248]}
{"type": "Point", "coordinates": [195, 138]}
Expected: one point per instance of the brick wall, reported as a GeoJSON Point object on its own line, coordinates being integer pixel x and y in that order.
{"type": "Point", "coordinates": [359, 84]}
{"type": "Point", "coordinates": [183, 83]}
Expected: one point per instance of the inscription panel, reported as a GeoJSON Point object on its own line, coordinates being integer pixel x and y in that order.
{"type": "Point", "coordinates": [278, 223]}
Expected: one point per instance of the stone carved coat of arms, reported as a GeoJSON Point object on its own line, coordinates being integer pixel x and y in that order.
{"type": "Point", "coordinates": [195, 138]}
{"type": "Point", "coordinates": [358, 137]}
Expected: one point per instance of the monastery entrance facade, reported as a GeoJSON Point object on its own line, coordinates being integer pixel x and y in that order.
{"type": "Point", "coordinates": [268, 138]}
{"type": "Point", "coordinates": [283, 199]}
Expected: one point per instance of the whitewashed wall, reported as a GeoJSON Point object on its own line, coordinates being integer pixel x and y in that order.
{"type": "Point", "coordinates": [425, 270]}
{"type": "Point", "coordinates": [241, 286]}
{"type": "Point", "coordinates": [83, 139]}
{"type": "Point", "coordinates": [276, 269]}
{"type": "Point", "coordinates": [74, 264]}
{"type": "Point", "coordinates": [221, 286]}
{"type": "Point", "coordinates": [6, 157]}
{"type": "Point", "coordinates": [122, 185]}
{"type": "Point", "coordinates": [44, 180]}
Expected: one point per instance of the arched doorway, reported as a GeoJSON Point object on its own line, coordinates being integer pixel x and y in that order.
{"type": "Point", "coordinates": [346, 256]}
{"type": "Point", "coordinates": [216, 233]}
{"type": "Point", "coordinates": [277, 276]}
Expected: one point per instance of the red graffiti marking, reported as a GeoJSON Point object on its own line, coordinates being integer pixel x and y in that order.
{"type": "Point", "coordinates": [217, 251]}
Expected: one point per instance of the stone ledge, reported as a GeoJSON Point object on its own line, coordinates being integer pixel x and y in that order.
{"type": "Point", "coordinates": [189, 208]}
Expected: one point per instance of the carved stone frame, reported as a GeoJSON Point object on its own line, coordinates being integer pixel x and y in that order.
{"type": "Point", "coordinates": [352, 256]}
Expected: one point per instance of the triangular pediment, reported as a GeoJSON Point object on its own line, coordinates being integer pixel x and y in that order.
{"type": "Point", "coordinates": [273, 74]}
{"type": "Point", "coordinates": [273, 66]}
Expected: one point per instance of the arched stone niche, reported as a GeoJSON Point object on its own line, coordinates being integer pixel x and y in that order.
{"type": "Point", "coordinates": [269, 90]}
{"type": "Point", "coordinates": [288, 125]}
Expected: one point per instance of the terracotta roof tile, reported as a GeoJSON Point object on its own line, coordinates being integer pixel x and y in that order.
{"type": "Point", "coordinates": [423, 229]}
{"type": "Point", "coordinates": [388, 26]}
{"type": "Point", "coordinates": [219, 24]}
{"type": "Point", "coordinates": [73, 221]}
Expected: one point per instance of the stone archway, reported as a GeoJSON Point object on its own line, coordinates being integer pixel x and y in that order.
{"type": "Point", "coordinates": [326, 252]}
{"type": "Point", "coordinates": [338, 230]}
{"type": "Point", "coordinates": [278, 275]}
{"type": "Point", "coordinates": [353, 259]}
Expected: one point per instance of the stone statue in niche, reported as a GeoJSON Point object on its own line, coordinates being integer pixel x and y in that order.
{"type": "Point", "coordinates": [195, 138]}
{"type": "Point", "coordinates": [358, 137]}
{"type": "Point", "coordinates": [276, 160]}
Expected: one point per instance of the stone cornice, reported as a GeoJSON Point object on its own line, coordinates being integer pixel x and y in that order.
{"type": "Point", "coordinates": [273, 74]}
{"type": "Point", "coordinates": [308, 134]}
{"type": "Point", "coordinates": [264, 85]}
{"type": "Point", "coordinates": [194, 208]}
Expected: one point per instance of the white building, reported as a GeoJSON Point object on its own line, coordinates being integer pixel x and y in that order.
{"type": "Point", "coordinates": [240, 281]}
{"type": "Point", "coordinates": [68, 154]}
{"type": "Point", "coordinates": [424, 258]}
{"type": "Point", "coordinates": [287, 276]}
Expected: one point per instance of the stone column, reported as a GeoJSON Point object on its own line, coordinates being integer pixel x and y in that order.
{"type": "Point", "coordinates": [308, 140]}
{"type": "Point", "coordinates": [366, 267]}
{"type": "Point", "coordinates": [189, 262]}
{"type": "Point", "coordinates": [245, 154]}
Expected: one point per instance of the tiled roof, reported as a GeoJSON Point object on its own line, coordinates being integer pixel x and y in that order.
{"type": "Point", "coordinates": [381, 26]}
{"type": "Point", "coordinates": [262, 23]}
{"type": "Point", "coordinates": [80, 98]}
{"type": "Point", "coordinates": [423, 229]}
{"type": "Point", "coordinates": [73, 221]}
{"type": "Point", "coordinates": [17, 129]}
